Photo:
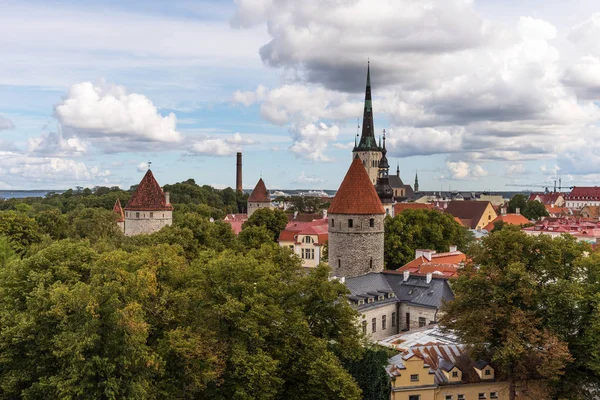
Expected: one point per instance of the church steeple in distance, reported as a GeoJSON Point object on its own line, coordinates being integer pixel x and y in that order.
{"type": "Point", "coordinates": [416, 182]}
{"type": "Point", "coordinates": [367, 139]}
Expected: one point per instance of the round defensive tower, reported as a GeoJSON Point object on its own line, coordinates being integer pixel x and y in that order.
{"type": "Point", "coordinates": [356, 225]}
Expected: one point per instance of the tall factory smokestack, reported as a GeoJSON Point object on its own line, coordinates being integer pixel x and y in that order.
{"type": "Point", "coordinates": [238, 169]}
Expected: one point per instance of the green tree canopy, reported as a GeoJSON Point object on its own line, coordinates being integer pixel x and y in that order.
{"type": "Point", "coordinates": [530, 304]}
{"type": "Point", "coordinates": [518, 201]}
{"type": "Point", "coordinates": [274, 220]}
{"type": "Point", "coordinates": [421, 229]}
{"type": "Point", "coordinates": [534, 210]}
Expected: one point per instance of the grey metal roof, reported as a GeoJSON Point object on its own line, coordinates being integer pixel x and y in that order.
{"type": "Point", "coordinates": [415, 290]}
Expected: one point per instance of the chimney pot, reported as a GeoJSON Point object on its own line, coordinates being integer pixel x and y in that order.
{"type": "Point", "coordinates": [428, 277]}
{"type": "Point", "coordinates": [453, 248]}
{"type": "Point", "coordinates": [406, 275]}
{"type": "Point", "coordinates": [518, 211]}
{"type": "Point", "coordinates": [167, 198]}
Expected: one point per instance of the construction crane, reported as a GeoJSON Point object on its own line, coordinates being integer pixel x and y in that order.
{"type": "Point", "coordinates": [545, 187]}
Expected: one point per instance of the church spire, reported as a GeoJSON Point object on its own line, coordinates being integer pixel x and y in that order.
{"type": "Point", "coordinates": [416, 182]}
{"type": "Point", "coordinates": [367, 140]}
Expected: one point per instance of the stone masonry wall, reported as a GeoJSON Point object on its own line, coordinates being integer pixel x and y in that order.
{"type": "Point", "coordinates": [378, 313]}
{"type": "Point", "coordinates": [355, 250]}
{"type": "Point", "coordinates": [415, 312]}
{"type": "Point", "coordinates": [140, 222]}
{"type": "Point", "coordinates": [253, 206]}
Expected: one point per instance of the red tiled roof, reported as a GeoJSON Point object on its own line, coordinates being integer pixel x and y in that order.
{"type": "Point", "coordinates": [398, 208]}
{"type": "Point", "coordinates": [509, 219]}
{"type": "Point", "coordinates": [446, 264]}
{"type": "Point", "coordinates": [117, 209]}
{"type": "Point", "coordinates": [468, 211]}
{"type": "Point", "coordinates": [318, 227]}
{"type": "Point", "coordinates": [148, 196]}
{"type": "Point", "coordinates": [356, 194]}
{"type": "Point", "coordinates": [545, 198]}
{"type": "Point", "coordinates": [584, 193]}
{"type": "Point", "coordinates": [260, 193]}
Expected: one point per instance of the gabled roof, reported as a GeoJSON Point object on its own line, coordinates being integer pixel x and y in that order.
{"type": "Point", "coordinates": [117, 209]}
{"type": "Point", "coordinates": [545, 198]}
{"type": "Point", "coordinates": [509, 219]}
{"type": "Point", "coordinates": [148, 196]}
{"type": "Point", "coordinates": [356, 194]}
{"type": "Point", "coordinates": [260, 194]}
{"type": "Point", "coordinates": [444, 264]}
{"type": "Point", "coordinates": [468, 211]}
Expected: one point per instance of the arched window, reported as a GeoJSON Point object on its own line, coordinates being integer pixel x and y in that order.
{"type": "Point", "coordinates": [307, 239]}
{"type": "Point", "coordinates": [332, 222]}
{"type": "Point", "coordinates": [372, 222]}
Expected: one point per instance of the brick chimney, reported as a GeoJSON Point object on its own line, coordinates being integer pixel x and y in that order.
{"type": "Point", "coordinates": [238, 170]}
{"type": "Point", "coordinates": [167, 197]}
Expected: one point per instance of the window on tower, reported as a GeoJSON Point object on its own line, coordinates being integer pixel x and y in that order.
{"type": "Point", "coordinates": [372, 222]}
{"type": "Point", "coordinates": [350, 223]}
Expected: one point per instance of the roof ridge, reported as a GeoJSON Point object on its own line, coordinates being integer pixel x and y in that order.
{"type": "Point", "coordinates": [356, 194]}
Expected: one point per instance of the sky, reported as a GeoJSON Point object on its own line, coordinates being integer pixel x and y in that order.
{"type": "Point", "coordinates": [473, 94]}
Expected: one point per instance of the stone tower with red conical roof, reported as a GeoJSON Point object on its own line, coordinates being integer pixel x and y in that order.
{"type": "Point", "coordinates": [149, 208]}
{"type": "Point", "coordinates": [259, 198]}
{"type": "Point", "coordinates": [356, 225]}
{"type": "Point", "coordinates": [118, 210]}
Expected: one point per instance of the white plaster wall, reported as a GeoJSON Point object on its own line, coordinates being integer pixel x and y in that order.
{"type": "Point", "coordinates": [140, 222]}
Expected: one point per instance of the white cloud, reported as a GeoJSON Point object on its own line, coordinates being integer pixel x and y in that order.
{"type": "Point", "coordinates": [20, 171]}
{"type": "Point", "coordinates": [142, 167]}
{"type": "Point", "coordinates": [461, 170]}
{"type": "Point", "coordinates": [515, 170]}
{"type": "Point", "coordinates": [108, 111]}
{"type": "Point", "coordinates": [311, 140]}
{"type": "Point", "coordinates": [6, 123]}
{"type": "Point", "coordinates": [54, 144]}
{"type": "Point", "coordinates": [293, 103]}
{"type": "Point", "coordinates": [307, 179]}
{"type": "Point", "coordinates": [213, 147]}
{"type": "Point", "coordinates": [237, 140]}
{"type": "Point", "coordinates": [344, 146]}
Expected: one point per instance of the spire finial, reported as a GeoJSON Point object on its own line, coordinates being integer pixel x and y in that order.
{"type": "Point", "coordinates": [149, 164]}
{"type": "Point", "coordinates": [384, 139]}
{"type": "Point", "coordinates": [398, 169]}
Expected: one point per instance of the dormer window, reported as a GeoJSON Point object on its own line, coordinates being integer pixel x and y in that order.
{"type": "Point", "coordinates": [381, 297]}
{"type": "Point", "coordinates": [487, 372]}
{"type": "Point", "coordinates": [390, 295]}
{"type": "Point", "coordinates": [370, 300]}
{"type": "Point", "coordinates": [455, 374]}
{"type": "Point", "coordinates": [360, 302]}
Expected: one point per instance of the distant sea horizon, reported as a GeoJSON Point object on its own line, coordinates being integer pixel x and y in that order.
{"type": "Point", "coordinates": [20, 194]}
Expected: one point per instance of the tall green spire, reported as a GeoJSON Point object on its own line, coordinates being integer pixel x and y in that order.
{"type": "Point", "coordinates": [416, 182]}
{"type": "Point", "coordinates": [367, 140]}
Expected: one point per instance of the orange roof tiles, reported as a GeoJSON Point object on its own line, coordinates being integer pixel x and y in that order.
{"type": "Point", "coordinates": [446, 264]}
{"type": "Point", "coordinates": [356, 194]}
{"type": "Point", "coordinates": [148, 196]}
{"type": "Point", "coordinates": [117, 209]}
{"type": "Point", "coordinates": [318, 227]}
{"type": "Point", "coordinates": [260, 194]}
{"type": "Point", "coordinates": [509, 219]}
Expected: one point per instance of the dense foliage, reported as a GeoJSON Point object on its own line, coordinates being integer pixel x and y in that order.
{"type": "Point", "coordinates": [189, 312]}
{"type": "Point", "coordinates": [531, 304]}
{"type": "Point", "coordinates": [273, 220]}
{"type": "Point", "coordinates": [531, 209]}
{"type": "Point", "coordinates": [421, 229]}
